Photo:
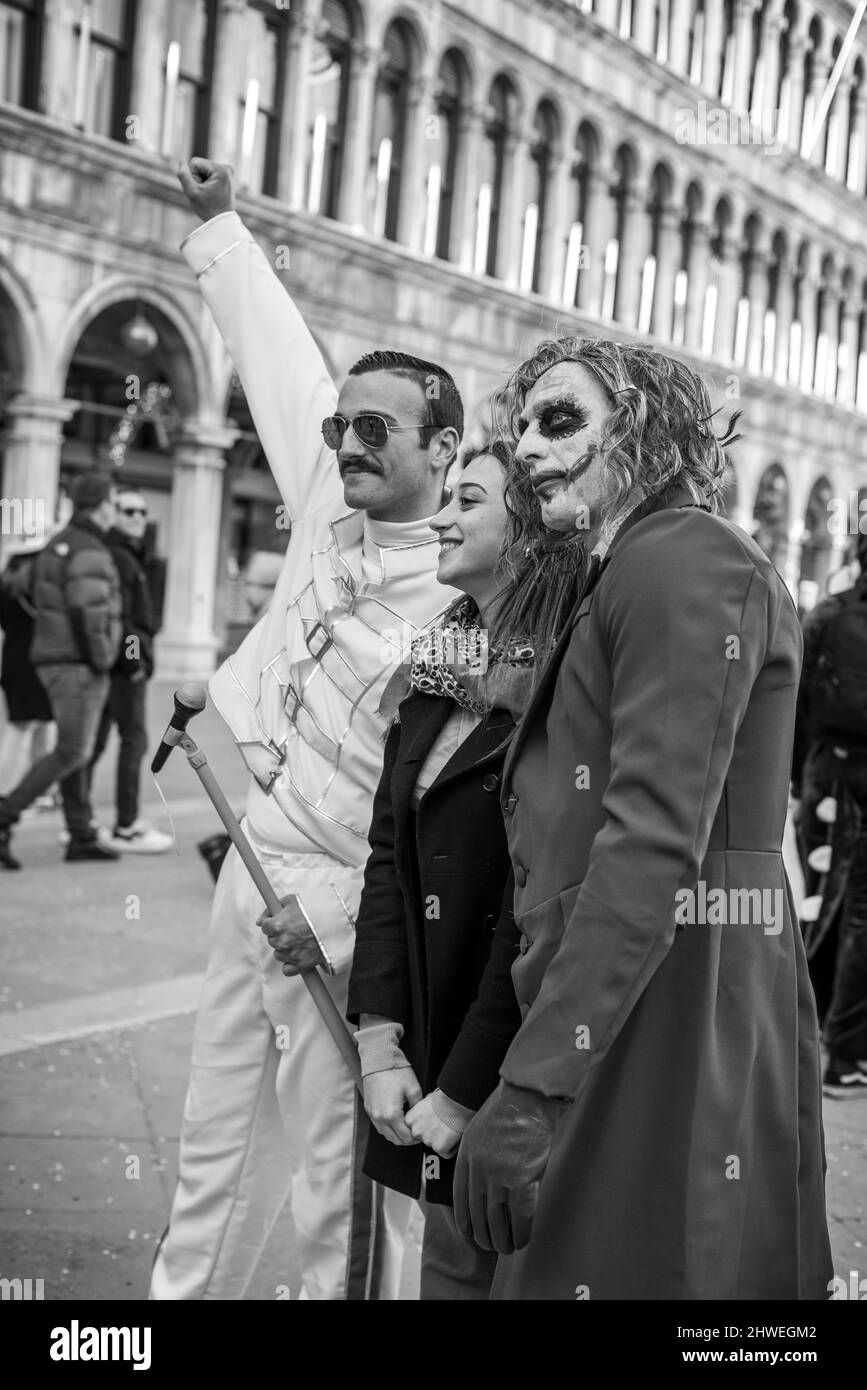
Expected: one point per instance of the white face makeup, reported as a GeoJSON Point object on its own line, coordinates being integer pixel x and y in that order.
{"type": "Point", "coordinates": [561, 425]}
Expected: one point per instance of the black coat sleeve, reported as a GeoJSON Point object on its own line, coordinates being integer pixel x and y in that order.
{"type": "Point", "coordinates": [379, 981]}
{"type": "Point", "coordinates": [472, 1069]}
{"type": "Point", "coordinates": [814, 628]}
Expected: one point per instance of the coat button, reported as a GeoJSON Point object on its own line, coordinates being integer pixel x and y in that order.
{"type": "Point", "coordinates": [524, 944]}
{"type": "Point", "coordinates": [510, 804]}
{"type": "Point", "coordinates": [520, 875]}
{"type": "Point", "coordinates": [490, 782]}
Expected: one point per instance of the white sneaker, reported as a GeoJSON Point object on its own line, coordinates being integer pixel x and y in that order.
{"type": "Point", "coordinates": [140, 838]}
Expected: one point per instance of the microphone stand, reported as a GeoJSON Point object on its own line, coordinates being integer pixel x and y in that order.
{"type": "Point", "coordinates": [312, 979]}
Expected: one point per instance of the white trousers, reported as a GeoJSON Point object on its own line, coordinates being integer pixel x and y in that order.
{"type": "Point", "coordinates": [272, 1113]}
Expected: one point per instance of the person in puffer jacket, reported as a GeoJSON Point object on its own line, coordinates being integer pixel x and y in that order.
{"type": "Point", "coordinates": [76, 641]}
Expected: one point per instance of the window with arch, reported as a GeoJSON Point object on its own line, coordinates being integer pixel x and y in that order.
{"type": "Point", "coordinates": [21, 27]}
{"type": "Point", "coordinates": [776, 266]}
{"type": "Point", "coordinates": [658, 204]}
{"type": "Point", "coordinates": [544, 135]}
{"type": "Point", "coordinates": [833, 131]}
{"type": "Point", "coordinates": [855, 153]}
{"type": "Point", "coordinates": [748, 256]}
{"type": "Point", "coordinates": [757, 97]}
{"type": "Point", "coordinates": [695, 51]}
{"type": "Point", "coordinates": [811, 73]}
{"type": "Point", "coordinates": [719, 244]}
{"type": "Point", "coordinates": [625, 18]}
{"type": "Point", "coordinates": [785, 126]}
{"type": "Point", "coordinates": [796, 331]}
{"type": "Point", "coordinates": [498, 123]}
{"type": "Point", "coordinates": [683, 290]}
{"type": "Point", "coordinates": [726, 88]}
{"type": "Point", "coordinates": [448, 98]}
{"type": "Point", "coordinates": [817, 545]}
{"type": "Point", "coordinates": [261, 98]}
{"type": "Point", "coordinates": [624, 174]}
{"type": "Point", "coordinates": [389, 121]}
{"type": "Point", "coordinates": [328, 79]}
{"type": "Point", "coordinates": [861, 369]}
{"type": "Point", "coordinates": [771, 515]}
{"type": "Point", "coordinates": [825, 364]}
{"type": "Point", "coordinates": [189, 69]}
{"type": "Point", "coordinates": [104, 31]}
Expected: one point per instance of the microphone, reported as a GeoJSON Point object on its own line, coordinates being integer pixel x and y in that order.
{"type": "Point", "coordinates": [190, 699]}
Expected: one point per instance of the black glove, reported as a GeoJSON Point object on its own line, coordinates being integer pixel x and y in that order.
{"type": "Point", "coordinates": [501, 1161]}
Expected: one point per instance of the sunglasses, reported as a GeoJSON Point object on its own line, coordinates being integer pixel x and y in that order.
{"type": "Point", "coordinates": [133, 511]}
{"type": "Point", "coordinates": [370, 430]}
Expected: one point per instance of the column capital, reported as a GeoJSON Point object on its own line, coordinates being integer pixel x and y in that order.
{"type": "Point", "coordinates": [203, 443]}
{"type": "Point", "coordinates": [232, 6]}
{"type": "Point", "coordinates": [30, 406]}
{"type": "Point", "coordinates": [362, 54]}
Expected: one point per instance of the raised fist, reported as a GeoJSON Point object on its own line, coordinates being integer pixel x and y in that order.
{"type": "Point", "coordinates": [210, 187]}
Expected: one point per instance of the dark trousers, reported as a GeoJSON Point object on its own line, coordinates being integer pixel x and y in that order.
{"type": "Point", "coordinates": [124, 707]}
{"type": "Point", "coordinates": [452, 1269]}
{"type": "Point", "coordinates": [845, 975]}
{"type": "Point", "coordinates": [77, 696]}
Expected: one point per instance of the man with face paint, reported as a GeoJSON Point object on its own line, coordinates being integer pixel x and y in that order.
{"type": "Point", "coordinates": [656, 1133]}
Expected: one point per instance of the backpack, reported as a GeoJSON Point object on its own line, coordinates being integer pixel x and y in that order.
{"type": "Point", "coordinates": [838, 704]}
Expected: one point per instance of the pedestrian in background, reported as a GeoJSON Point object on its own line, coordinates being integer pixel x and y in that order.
{"type": "Point", "coordinates": [126, 705]}
{"type": "Point", "coordinates": [29, 731]}
{"type": "Point", "coordinates": [76, 641]}
{"type": "Point", "coordinates": [830, 760]}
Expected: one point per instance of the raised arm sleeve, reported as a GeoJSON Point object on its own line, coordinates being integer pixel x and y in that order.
{"type": "Point", "coordinates": [286, 382]}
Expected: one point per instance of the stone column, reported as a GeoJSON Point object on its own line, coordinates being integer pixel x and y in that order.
{"type": "Point", "coordinates": [839, 116]}
{"type": "Point", "coordinates": [783, 312]}
{"type": "Point", "coordinates": [643, 23]}
{"type": "Point", "coordinates": [32, 445]}
{"type": "Point", "coordinates": [608, 13]}
{"type": "Point", "coordinates": [743, 54]}
{"type": "Point", "coordinates": [714, 44]}
{"type": "Point", "coordinates": [294, 133]}
{"type": "Point", "coordinates": [795, 74]}
{"type": "Point", "coordinates": [817, 88]}
{"type": "Point", "coordinates": [414, 165]}
{"type": "Point", "coordinates": [849, 374]}
{"type": "Point", "coordinates": [187, 646]}
{"type": "Point", "coordinates": [147, 89]}
{"type": "Point", "coordinates": [829, 328]}
{"type": "Point", "coordinates": [59, 62]}
{"type": "Point", "coordinates": [770, 54]}
{"type": "Point", "coordinates": [633, 253]}
{"type": "Point", "coordinates": [555, 229]}
{"type": "Point", "coordinates": [462, 239]}
{"type": "Point", "coordinates": [696, 284]}
{"type": "Point", "coordinates": [598, 230]}
{"type": "Point", "coordinates": [226, 92]}
{"type": "Point", "coordinates": [757, 293]}
{"type": "Point", "coordinates": [353, 209]}
{"type": "Point", "coordinates": [807, 319]}
{"type": "Point", "coordinates": [727, 303]}
{"type": "Point", "coordinates": [667, 266]}
{"type": "Point", "coordinates": [511, 224]}
{"type": "Point", "coordinates": [678, 35]}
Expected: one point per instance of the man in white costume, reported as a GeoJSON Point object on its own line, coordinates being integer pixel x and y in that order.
{"type": "Point", "coordinates": [271, 1109]}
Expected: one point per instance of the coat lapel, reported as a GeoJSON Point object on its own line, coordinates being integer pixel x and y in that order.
{"type": "Point", "coordinates": [678, 497]}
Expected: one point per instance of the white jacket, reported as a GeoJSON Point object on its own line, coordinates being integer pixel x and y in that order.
{"type": "Point", "coordinates": [302, 691]}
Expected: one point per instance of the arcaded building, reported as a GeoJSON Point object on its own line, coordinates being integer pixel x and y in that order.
{"type": "Point", "coordinates": [454, 179]}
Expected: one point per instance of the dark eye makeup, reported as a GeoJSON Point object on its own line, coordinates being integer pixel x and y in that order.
{"type": "Point", "coordinates": [558, 419]}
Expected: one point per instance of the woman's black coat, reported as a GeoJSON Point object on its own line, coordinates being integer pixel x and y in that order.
{"type": "Point", "coordinates": [435, 935]}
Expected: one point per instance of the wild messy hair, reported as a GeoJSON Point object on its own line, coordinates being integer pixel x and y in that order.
{"type": "Point", "coordinates": [660, 429]}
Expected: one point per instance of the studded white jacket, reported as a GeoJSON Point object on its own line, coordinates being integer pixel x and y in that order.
{"type": "Point", "coordinates": [302, 691]}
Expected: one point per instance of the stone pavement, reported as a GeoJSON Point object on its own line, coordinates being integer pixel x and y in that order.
{"type": "Point", "coordinates": [96, 1017]}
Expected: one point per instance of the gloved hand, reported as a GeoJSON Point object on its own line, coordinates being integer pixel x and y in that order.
{"type": "Point", "coordinates": [503, 1156]}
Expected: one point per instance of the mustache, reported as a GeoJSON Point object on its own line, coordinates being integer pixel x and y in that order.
{"type": "Point", "coordinates": [362, 465]}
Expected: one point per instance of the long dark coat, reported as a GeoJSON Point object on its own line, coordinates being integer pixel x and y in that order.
{"type": "Point", "coordinates": [435, 934]}
{"type": "Point", "coordinates": [655, 755]}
